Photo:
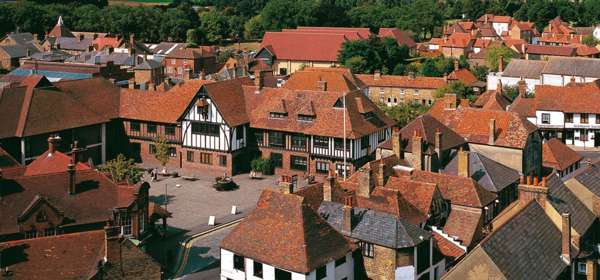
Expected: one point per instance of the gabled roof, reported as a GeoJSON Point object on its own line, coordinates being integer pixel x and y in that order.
{"type": "Point", "coordinates": [55, 162]}
{"type": "Point", "coordinates": [229, 98]}
{"type": "Point", "coordinates": [573, 66]}
{"type": "Point", "coordinates": [589, 177]}
{"type": "Point", "coordinates": [375, 227]}
{"type": "Point", "coordinates": [463, 75]}
{"type": "Point", "coordinates": [490, 174]}
{"type": "Point", "coordinates": [572, 98]}
{"type": "Point", "coordinates": [492, 100]}
{"type": "Point", "coordinates": [192, 53]}
{"type": "Point", "coordinates": [60, 30]}
{"type": "Point", "coordinates": [524, 106]}
{"type": "Point", "coordinates": [458, 40]}
{"type": "Point", "coordinates": [426, 126]}
{"type": "Point", "coordinates": [465, 225]}
{"type": "Point", "coordinates": [557, 155]}
{"type": "Point", "coordinates": [38, 108]}
{"type": "Point", "coordinates": [529, 69]}
{"type": "Point", "coordinates": [158, 106]}
{"type": "Point", "coordinates": [283, 231]}
{"type": "Point", "coordinates": [512, 130]}
{"type": "Point", "coordinates": [402, 37]}
{"type": "Point", "coordinates": [551, 50]}
{"type": "Point", "coordinates": [6, 160]}
{"type": "Point", "coordinates": [304, 46]}
{"type": "Point", "coordinates": [565, 201]}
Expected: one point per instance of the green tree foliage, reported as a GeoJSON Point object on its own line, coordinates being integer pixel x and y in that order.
{"type": "Point", "coordinates": [481, 72]}
{"type": "Point", "coordinates": [403, 113]}
{"type": "Point", "coordinates": [439, 66]}
{"type": "Point", "coordinates": [493, 55]}
{"type": "Point", "coordinates": [122, 169]}
{"type": "Point", "coordinates": [162, 151]}
{"type": "Point", "coordinates": [366, 56]}
{"type": "Point", "coordinates": [458, 88]}
{"type": "Point", "coordinates": [590, 40]}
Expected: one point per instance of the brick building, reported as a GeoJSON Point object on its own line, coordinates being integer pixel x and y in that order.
{"type": "Point", "coordinates": [393, 90]}
{"type": "Point", "coordinates": [201, 60]}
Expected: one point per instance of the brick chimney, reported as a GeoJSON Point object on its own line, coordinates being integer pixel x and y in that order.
{"type": "Point", "coordinates": [328, 186]}
{"type": "Point", "coordinates": [322, 85]}
{"type": "Point", "coordinates": [456, 65]}
{"type": "Point", "coordinates": [417, 150]}
{"type": "Point", "coordinates": [463, 163]}
{"type": "Point", "coordinates": [499, 86]}
{"type": "Point", "coordinates": [187, 74]}
{"type": "Point", "coordinates": [112, 244]}
{"type": "Point", "coordinates": [381, 173]}
{"type": "Point", "coordinates": [258, 80]}
{"type": "Point", "coordinates": [522, 88]}
{"type": "Point", "coordinates": [492, 132]}
{"type": "Point", "coordinates": [71, 171]}
{"type": "Point", "coordinates": [347, 212]}
{"type": "Point", "coordinates": [75, 151]}
{"type": "Point", "coordinates": [365, 184]}
{"type": "Point", "coordinates": [501, 64]}
{"type": "Point", "coordinates": [438, 143]}
{"type": "Point", "coordinates": [285, 184]}
{"type": "Point", "coordinates": [53, 143]}
{"type": "Point", "coordinates": [377, 75]}
{"type": "Point", "coordinates": [132, 45]}
{"type": "Point", "coordinates": [566, 238]}
{"type": "Point", "coordinates": [397, 143]}
{"type": "Point", "coordinates": [532, 189]}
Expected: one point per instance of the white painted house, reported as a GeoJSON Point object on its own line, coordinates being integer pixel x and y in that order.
{"type": "Point", "coordinates": [285, 239]}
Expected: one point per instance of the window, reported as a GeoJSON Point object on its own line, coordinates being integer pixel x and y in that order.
{"type": "Point", "coordinates": [277, 159]}
{"type": "Point", "coordinates": [339, 167]}
{"type": "Point", "coordinates": [202, 111]}
{"type": "Point", "coordinates": [282, 274]}
{"type": "Point", "coordinates": [367, 249]}
{"type": "Point", "coordinates": [223, 160]}
{"type": "Point", "coordinates": [298, 141]}
{"type": "Point", "coordinates": [321, 272]}
{"type": "Point", "coordinates": [321, 142]}
{"type": "Point", "coordinates": [135, 126]}
{"type": "Point", "coordinates": [151, 128]}
{"type": "Point", "coordinates": [597, 118]}
{"type": "Point", "coordinates": [170, 130]}
{"type": "Point", "coordinates": [238, 262]}
{"type": "Point", "coordinates": [381, 98]}
{"type": "Point", "coordinates": [389, 100]}
{"type": "Point", "coordinates": [381, 90]}
{"type": "Point", "coordinates": [152, 149]}
{"type": "Point", "coordinates": [569, 117]}
{"type": "Point", "coordinates": [306, 118]}
{"type": "Point", "coordinates": [190, 156]}
{"type": "Point", "coordinates": [258, 269]}
{"type": "Point", "coordinates": [322, 167]}
{"type": "Point", "coordinates": [545, 118]}
{"type": "Point", "coordinates": [276, 139]}
{"type": "Point", "coordinates": [276, 115]}
{"type": "Point", "coordinates": [51, 231]}
{"type": "Point", "coordinates": [205, 158]}
{"type": "Point", "coordinates": [581, 268]}
{"type": "Point", "coordinates": [416, 92]}
{"type": "Point", "coordinates": [205, 129]}
{"type": "Point", "coordinates": [172, 152]}
{"type": "Point", "coordinates": [239, 133]}
{"type": "Point", "coordinates": [30, 234]}
{"type": "Point", "coordinates": [395, 100]}
{"type": "Point", "coordinates": [298, 163]}
{"type": "Point", "coordinates": [260, 137]}
{"type": "Point", "coordinates": [41, 217]}
{"type": "Point", "coordinates": [125, 223]}
{"type": "Point", "coordinates": [402, 92]}
{"type": "Point", "coordinates": [340, 261]}
{"type": "Point", "coordinates": [584, 118]}
{"type": "Point", "coordinates": [173, 61]}
{"type": "Point", "coordinates": [282, 71]}
{"type": "Point", "coordinates": [364, 142]}
{"type": "Point", "coordinates": [338, 144]}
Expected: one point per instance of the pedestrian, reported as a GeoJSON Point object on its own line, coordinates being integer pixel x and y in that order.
{"type": "Point", "coordinates": [155, 178]}
{"type": "Point", "coordinates": [152, 175]}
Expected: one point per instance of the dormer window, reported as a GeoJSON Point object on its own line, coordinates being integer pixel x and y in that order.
{"type": "Point", "coordinates": [372, 118]}
{"type": "Point", "coordinates": [306, 118]}
{"type": "Point", "coordinates": [278, 115]}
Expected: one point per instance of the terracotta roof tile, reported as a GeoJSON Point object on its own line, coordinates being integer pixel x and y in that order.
{"type": "Point", "coordinates": [303, 46]}
{"type": "Point", "coordinates": [465, 225]}
{"type": "Point", "coordinates": [287, 233]}
{"type": "Point", "coordinates": [557, 155]}
{"type": "Point", "coordinates": [525, 107]}
{"type": "Point", "coordinates": [551, 50]}
{"type": "Point", "coordinates": [463, 75]}
{"type": "Point", "coordinates": [48, 163]}
{"type": "Point", "coordinates": [572, 98]}
{"type": "Point", "coordinates": [401, 37]}
{"type": "Point", "coordinates": [446, 247]}
{"type": "Point", "coordinates": [336, 79]}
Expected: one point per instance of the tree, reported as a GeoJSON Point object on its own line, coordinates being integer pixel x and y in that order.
{"type": "Point", "coordinates": [404, 113]}
{"type": "Point", "coordinates": [253, 28]}
{"type": "Point", "coordinates": [122, 169]}
{"type": "Point", "coordinates": [481, 72]}
{"type": "Point", "coordinates": [590, 40]}
{"type": "Point", "coordinates": [458, 88]}
{"type": "Point", "coordinates": [224, 55]}
{"type": "Point", "coordinates": [161, 152]}
{"type": "Point", "coordinates": [492, 57]}
{"type": "Point", "coordinates": [214, 26]}
{"type": "Point", "coordinates": [366, 56]}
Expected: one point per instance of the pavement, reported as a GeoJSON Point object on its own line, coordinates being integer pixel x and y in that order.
{"type": "Point", "coordinates": [191, 203]}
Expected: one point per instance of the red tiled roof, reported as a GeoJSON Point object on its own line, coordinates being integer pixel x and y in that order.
{"type": "Point", "coordinates": [48, 163]}
{"type": "Point", "coordinates": [585, 50]}
{"type": "Point", "coordinates": [44, 108]}
{"type": "Point", "coordinates": [67, 256]}
{"type": "Point", "coordinates": [551, 50]}
{"type": "Point", "coordinates": [525, 107]}
{"type": "Point", "coordinates": [349, 32]}
{"type": "Point", "coordinates": [557, 26]}
{"type": "Point", "coordinates": [512, 130]}
{"type": "Point", "coordinates": [229, 98]}
{"type": "Point", "coordinates": [96, 197]}
{"type": "Point", "coordinates": [557, 155]}
{"type": "Point", "coordinates": [458, 40]}
{"type": "Point", "coordinates": [426, 126]}
{"type": "Point", "coordinates": [459, 190]}
{"type": "Point", "coordinates": [495, 18]}
{"type": "Point", "coordinates": [401, 37]}
{"type": "Point", "coordinates": [402, 81]}
{"type": "Point", "coordinates": [465, 224]}
{"type": "Point", "coordinates": [303, 46]}
{"type": "Point", "coordinates": [337, 79]}
{"type": "Point", "coordinates": [192, 53]}
{"type": "Point", "coordinates": [492, 100]}
{"type": "Point", "coordinates": [446, 247]}
{"type": "Point", "coordinates": [102, 42]}
{"type": "Point", "coordinates": [572, 98]}
{"type": "Point", "coordinates": [463, 75]}
{"type": "Point", "coordinates": [159, 106]}
{"type": "Point", "coordinates": [285, 232]}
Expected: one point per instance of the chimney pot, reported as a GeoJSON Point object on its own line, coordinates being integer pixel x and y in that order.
{"type": "Point", "coordinates": [328, 187]}
{"type": "Point", "coordinates": [522, 87]}
{"type": "Point", "coordinates": [322, 85]}
{"type": "Point", "coordinates": [53, 142]}
{"type": "Point", "coordinates": [397, 143]}
{"type": "Point", "coordinates": [535, 180]}
{"type": "Point", "coordinates": [377, 75]}
{"type": "Point", "coordinates": [522, 180]}
{"type": "Point", "coordinates": [417, 146]}
{"type": "Point", "coordinates": [543, 181]}
{"type": "Point", "coordinates": [258, 79]}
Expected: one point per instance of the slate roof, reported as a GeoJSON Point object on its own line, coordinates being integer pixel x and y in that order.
{"type": "Point", "coordinates": [490, 174]}
{"type": "Point", "coordinates": [557, 155]}
{"type": "Point", "coordinates": [529, 69]}
{"type": "Point", "coordinates": [148, 64]}
{"type": "Point", "coordinates": [375, 227]}
{"type": "Point", "coordinates": [564, 201]}
{"type": "Point", "coordinates": [533, 253]}
{"type": "Point", "coordinates": [590, 178]}
{"type": "Point", "coordinates": [69, 43]}
{"type": "Point", "coordinates": [578, 66]}
{"type": "Point", "coordinates": [14, 51]}
{"type": "Point", "coordinates": [283, 231]}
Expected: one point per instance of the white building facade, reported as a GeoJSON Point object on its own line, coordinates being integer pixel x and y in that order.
{"type": "Point", "coordinates": [577, 129]}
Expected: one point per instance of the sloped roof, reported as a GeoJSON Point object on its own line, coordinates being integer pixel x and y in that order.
{"type": "Point", "coordinates": [283, 231]}
{"type": "Point", "coordinates": [446, 247]}
{"type": "Point", "coordinates": [337, 79]}
{"type": "Point", "coordinates": [572, 98]}
{"type": "Point", "coordinates": [6, 160]}
{"type": "Point", "coordinates": [60, 30]}
{"type": "Point", "coordinates": [530, 69]}
{"type": "Point", "coordinates": [426, 126]}
{"type": "Point", "coordinates": [191, 53]}
{"type": "Point", "coordinates": [229, 98]}
{"type": "Point", "coordinates": [577, 66]}
{"type": "Point", "coordinates": [375, 227]}
{"type": "Point", "coordinates": [523, 106]}
{"type": "Point", "coordinates": [402, 37]}
{"type": "Point", "coordinates": [465, 225]}
{"type": "Point", "coordinates": [48, 163]}
{"type": "Point", "coordinates": [557, 155]}
{"type": "Point", "coordinates": [304, 46]}
{"type": "Point", "coordinates": [490, 174]}
{"type": "Point", "coordinates": [589, 177]}
{"type": "Point", "coordinates": [565, 201]}
{"type": "Point", "coordinates": [551, 50]}
{"type": "Point", "coordinates": [352, 33]}
{"type": "Point", "coordinates": [463, 75]}
{"type": "Point", "coordinates": [458, 40]}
